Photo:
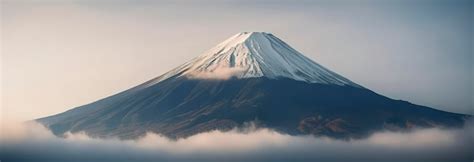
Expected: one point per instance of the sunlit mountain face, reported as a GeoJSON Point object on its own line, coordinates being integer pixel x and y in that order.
{"type": "Point", "coordinates": [252, 77]}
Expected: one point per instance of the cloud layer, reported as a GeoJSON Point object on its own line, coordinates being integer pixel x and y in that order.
{"type": "Point", "coordinates": [222, 73]}
{"type": "Point", "coordinates": [33, 142]}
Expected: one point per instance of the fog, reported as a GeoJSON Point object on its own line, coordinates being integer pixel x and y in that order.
{"type": "Point", "coordinates": [33, 142]}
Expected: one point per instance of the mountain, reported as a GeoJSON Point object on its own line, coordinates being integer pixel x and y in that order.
{"type": "Point", "coordinates": [250, 77]}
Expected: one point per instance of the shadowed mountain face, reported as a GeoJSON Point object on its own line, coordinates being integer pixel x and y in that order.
{"type": "Point", "coordinates": [182, 107]}
{"type": "Point", "coordinates": [297, 97]}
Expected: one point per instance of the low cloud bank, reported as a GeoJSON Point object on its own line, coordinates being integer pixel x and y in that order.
{"type": "Point", "coordinates": [32, 142]}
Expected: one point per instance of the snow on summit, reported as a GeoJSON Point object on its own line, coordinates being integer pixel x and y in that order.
{"type": "Point", "coordinates": [252, 55]}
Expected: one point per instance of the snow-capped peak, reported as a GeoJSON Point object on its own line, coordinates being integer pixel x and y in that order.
{"type": "Point", "coordinates": [256, 54]}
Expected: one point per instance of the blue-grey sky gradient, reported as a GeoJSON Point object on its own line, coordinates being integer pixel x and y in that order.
{"type": "Point", "coordinates": [60, 54]}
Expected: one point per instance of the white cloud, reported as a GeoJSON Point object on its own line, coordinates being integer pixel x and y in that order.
{"type": "Point", "coordinates": [34, 142]}
{"type": "Point", "coordinates": [221, 73]}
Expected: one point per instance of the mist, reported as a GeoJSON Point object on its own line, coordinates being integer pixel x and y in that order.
{"type": "Point", "coordinates": [223, 73]}
{"type": "Point", "coordinates": [33, 142]}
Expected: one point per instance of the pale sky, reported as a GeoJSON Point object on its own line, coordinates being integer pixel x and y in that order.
{"type": "Point", "coordinates": [59, 54]}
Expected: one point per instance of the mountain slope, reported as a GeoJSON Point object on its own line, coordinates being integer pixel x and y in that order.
{"type": "Point", "coordinates": [249, 77]}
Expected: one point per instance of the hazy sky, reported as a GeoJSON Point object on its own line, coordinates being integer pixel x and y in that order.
{"type": "Point", "coordinates": [59, 54]}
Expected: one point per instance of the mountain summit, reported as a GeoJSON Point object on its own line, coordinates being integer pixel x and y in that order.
{"type": "Point", "coordinates": [250, 77]}
{"type": "Point", "coordinates": [257, 54]}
